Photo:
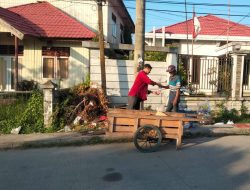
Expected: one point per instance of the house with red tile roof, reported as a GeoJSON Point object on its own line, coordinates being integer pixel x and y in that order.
{"type": "Point", "coordinates": [49, 42]}
{"type": "Point", "coordinates": [117, 23]}
{"type": "Point", "coordinates": [216, 62]}
{"type": "Point", "coordinates": [48, 45]}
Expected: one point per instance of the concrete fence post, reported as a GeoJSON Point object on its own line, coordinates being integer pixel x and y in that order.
{"type": "Point", "coordinates": [48, 92]}
{"type": "Point", "coordinates": [237, 76]}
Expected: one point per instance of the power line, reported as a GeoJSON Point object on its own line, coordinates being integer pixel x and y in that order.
{"type": "Point", "coordinates": [202, 13]}
{"type": "Point", "coordinates": [158, 10]}
{"type": "Point", "coordinates": [164, 10]}
{"type": "Point", "coordinates": [168, 12]}
{"type": "Point", "coordinates": [195, 4]}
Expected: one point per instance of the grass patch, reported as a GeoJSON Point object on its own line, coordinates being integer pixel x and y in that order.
{"type": "Point", "coordinates": [25, 113]}
{"type": "Point", "coordinates": [10, 115]}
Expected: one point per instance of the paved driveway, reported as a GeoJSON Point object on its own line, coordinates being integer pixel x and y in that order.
{"type": "Point", "coordinates": [204, 163]}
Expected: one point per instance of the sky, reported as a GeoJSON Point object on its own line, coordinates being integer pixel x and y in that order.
{"type": "Point", "coordinates": [163, 13]}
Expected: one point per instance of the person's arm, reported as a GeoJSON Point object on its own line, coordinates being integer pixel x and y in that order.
{"type": "Point", "coordinates": [166, 87]}
{"type": "Point", "coordinates": [147, 80]}
{"type": "Point", "coordinates": [154, 92]}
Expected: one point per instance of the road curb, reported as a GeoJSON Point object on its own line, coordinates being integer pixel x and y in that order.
{"type": "Point", "coordinates": [77, 139]}
{"type": "Point", "coordinates": [72, 141]}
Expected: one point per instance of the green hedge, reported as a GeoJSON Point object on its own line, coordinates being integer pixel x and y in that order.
{"type": "Point", "coordinates": [25, 113]}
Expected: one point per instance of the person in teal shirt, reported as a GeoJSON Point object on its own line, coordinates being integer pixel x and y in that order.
{"type": "Point", "coordinates": [174, 85]}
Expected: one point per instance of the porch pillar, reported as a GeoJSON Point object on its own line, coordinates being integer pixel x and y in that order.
{"type": "Point", "coordinates": [16, 63]}
{"type": "Point", "coordinates": [171, 59]}
{"type": "Point", "coordinates": [163, 37]}
{"type": "Point", "coordinates": [48, 94]}
{"type": "Point", "coordinates": [154, 37]}
{"type": "Point", "coordinates": [237, 75]}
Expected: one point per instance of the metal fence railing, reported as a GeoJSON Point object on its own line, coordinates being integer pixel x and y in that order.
{"type": "Point", "coordinates": [246, 78]}
{"type": "Point", "coordinates": [7, 98]}
{"type": "Point", "coordinates": [208, 74]}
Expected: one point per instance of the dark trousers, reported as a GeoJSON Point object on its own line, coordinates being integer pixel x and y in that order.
{"type": "Point", "coordinates": [134, 103]}
{"type": "Point", "coordinates": [170, 106]}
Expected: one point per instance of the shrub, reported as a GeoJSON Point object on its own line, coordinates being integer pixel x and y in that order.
{"type": "Point", "coordinates": [10, 115]}
{"type": "Point", "coordinates": [26, 85]}
{"type": "Point", "coordinates": [32, 118]}
{"type": "Point", "coordinates": [67, 101]}
{"type": "Point", "coordinates": [223, 114]}
{"type": "Point", "coordinates": [25, 113]}
{"type": "Point", "coordinates": [155, 56]}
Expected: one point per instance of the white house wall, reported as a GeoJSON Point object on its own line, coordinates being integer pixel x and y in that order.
{"type": "Point", "coordinates": [203, 48]}
{"type": "Point", "coordinates": [32, 59]}
{"type": "Point", "coordinates": [120, 78]}
{"type": "Point", "coordinates": [32, 62]}
{"type": "Point", "coordinates": [206, 48]}
{"type": "Point", "coordinates": [78, 66]}
{"type": "Point", "coordinates": [150, 42]}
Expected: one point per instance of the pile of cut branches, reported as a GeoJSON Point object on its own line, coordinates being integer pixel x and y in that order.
{"type": "Point", "coordinates": [81, 107]}
{"type": "Point", "coordinates": [92, 104]}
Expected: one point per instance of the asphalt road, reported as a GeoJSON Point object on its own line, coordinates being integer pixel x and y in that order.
{"type": "Point", "coordinates": [203, 164]}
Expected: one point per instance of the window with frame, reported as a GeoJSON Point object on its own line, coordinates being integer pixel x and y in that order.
{"type": "Point", "coordinates": [114, 32]}
{"type": "Point", "coordinates": [10, 50]}
{"type": "Point", "coordinates": [55, 62]}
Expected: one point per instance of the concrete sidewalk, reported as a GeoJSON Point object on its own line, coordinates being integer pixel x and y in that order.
{"type": "Point", "coordinates": [215, 130]}
{"type": "Point", "coordinates": [75, 138]}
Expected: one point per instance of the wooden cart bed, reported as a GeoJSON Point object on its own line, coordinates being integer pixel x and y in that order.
{"type": "Point", "coordinates": [171, 125]}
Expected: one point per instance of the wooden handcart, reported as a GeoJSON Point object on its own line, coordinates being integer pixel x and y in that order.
{"type": "Point", "coordinates": [149, 128]}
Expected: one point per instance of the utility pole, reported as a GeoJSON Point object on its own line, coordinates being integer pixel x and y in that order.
{"type": "Point", "coordinates": [188, 57]}
{"type": "Point", "coordinates": [101, 44]}
{"type": "Point", "coordinates": [139, 35]}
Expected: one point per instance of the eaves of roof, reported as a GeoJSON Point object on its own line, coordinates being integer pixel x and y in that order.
{"type": "Point", "coordinates": [16, 24]}
{"type": "Point", "coordinates": [210, 25]}
{"type": "Point", "coordinates": [44, 20]}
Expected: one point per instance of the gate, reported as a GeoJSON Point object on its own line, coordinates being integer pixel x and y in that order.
{"type": "Point", "coordinates": [208, 74]}
{"type": "Point", "coordinates": [246, 77]}
{"type": "Point", "coordinates": [224, 75]}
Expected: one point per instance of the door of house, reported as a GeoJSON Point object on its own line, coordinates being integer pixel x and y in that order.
{"type": "Point", "coordinates": [6, 73]}
{"type": "Point", "coordinates": [225, 75]}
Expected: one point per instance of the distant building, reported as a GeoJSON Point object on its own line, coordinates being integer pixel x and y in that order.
{"type": "Point", "coordinates": [219, 61]}
{"type": "Point", "coordinates": [50, 40]}
{"type": "Point", "coordinates": [117, 23]}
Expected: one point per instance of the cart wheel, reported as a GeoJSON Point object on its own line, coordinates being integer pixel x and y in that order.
{"type": "Point", "coordinates": [147, 138]}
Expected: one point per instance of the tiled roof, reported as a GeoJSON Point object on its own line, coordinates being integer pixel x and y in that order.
{"type": "Point", "coordinates": [48, 21]}
{"type": "Point", "coordinates": [210, 25]}
{"type": "Point", "coordinates": [17, 22]}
